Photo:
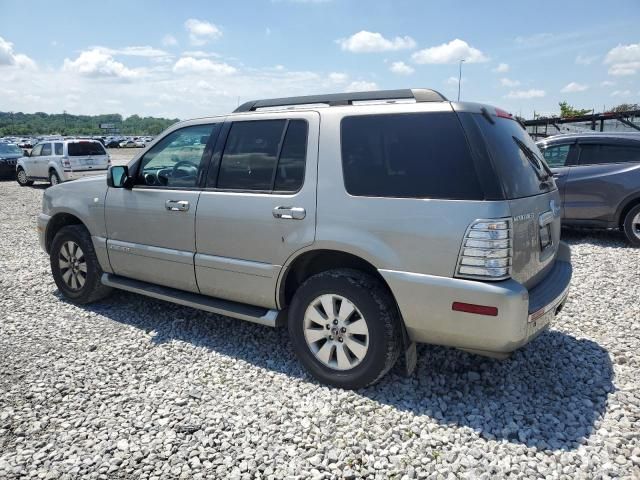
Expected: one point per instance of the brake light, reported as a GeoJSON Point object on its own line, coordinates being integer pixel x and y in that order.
{"type": "Point", "coordinates": [486, 250]}
{"type": "Point", "coordinates": [477, 309]}
{"type": "Point", "coordinates": [503, 113]}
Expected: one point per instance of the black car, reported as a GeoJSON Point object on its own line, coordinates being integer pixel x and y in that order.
{"type": "Point", "coordinates": [9, 155]}
{"type": "Point", "coordinates": [598, 175]}
{"type": "Point", "coordinates": [112, 144]}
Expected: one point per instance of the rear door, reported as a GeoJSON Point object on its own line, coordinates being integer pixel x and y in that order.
{"type": "Point", "coordinates": [595, 186]}
{"type": "Point", "coordinates": [259, 206]}
{"type": "Point", "coordinates": [42, 161]}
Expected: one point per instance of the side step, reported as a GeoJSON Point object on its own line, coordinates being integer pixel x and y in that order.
{"type": "Point", "coordinates": [260, 315]}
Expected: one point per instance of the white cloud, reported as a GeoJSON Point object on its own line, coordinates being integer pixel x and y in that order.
{"type": "Point", "coordinates": [401, 68]}
{"type": "Point", "coordinates": [573, 87]}
{"type": "Point", "coordinates": [507, 82]}
{"type": "Point", "coordinates": [97, 63]}
{"type": "Point", "coordinates": [501, 68]}
{"type": "Point", "coordinates": [453, 81]}
{"type": "Point", "coordinates": [451, 52]}
{"type": "Point", "coordinates": [199, 54]}
{"type": "Point", "coordinates": [364, 42]}
{"type": "Point", "coordinates": [9, 58]}
{"type": "Point", "coordinates": [190, 64]}
{"type": "Point", "coordinates": [134, 51]}
{"type": "Point", "coordinates": [624, 59]}
{"type": "Point", "coordinates": [336, 77]}
{"type": "Point", "coordinates": [361, 86]}
{"type": "Point", "coordinates": [201, 32]}
{"type": "Point", "coordinates": [523, 94]}
{"type": "Point", "coordinates": [586, 60]}
{"type": "Point", "coordinates": [607, 83]}
{"type": "Point", "coordinates": [621, 93]}
{"type": "Point", "coordinates": [169, 40]}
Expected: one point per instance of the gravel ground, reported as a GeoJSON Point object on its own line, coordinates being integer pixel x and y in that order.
{"type": "Point", "coordinates": [136, 388]}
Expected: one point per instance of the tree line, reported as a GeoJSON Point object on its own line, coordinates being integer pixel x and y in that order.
{"type": "Point", "coordinates": [40, 123]}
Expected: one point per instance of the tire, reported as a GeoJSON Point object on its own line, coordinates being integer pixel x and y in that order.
{"type": "Point", "coordinates": [54, 179]}
{"type": "Point", "coordinates": [355, 367]}
{"type": "Point", "coordinates": [632, 226]}
{"type": "Point", "coordinates": [23, 180]}
{"type": "Point", "coordinates": [87, 287]}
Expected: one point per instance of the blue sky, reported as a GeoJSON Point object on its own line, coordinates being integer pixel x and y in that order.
{"type": "Point", "coordinates": [193, 58]}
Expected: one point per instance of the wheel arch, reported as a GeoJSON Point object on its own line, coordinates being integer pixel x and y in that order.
{"type": "Point", "coordinates": [59, 220]}
{"type": "Point", "coordinates": [627, 205]}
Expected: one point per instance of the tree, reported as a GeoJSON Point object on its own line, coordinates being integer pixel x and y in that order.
{"type": "Point", "coordinates": [567, 110]}
{"type": "Point", "coordinates": [625, 107]}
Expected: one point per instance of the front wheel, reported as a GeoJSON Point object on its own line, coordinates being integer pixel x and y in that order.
{"type": "Point", "coordinates": [75, 266]}
{"type": "Point", "coordinates": [345, 328]}
{"type": "Point", "coordinates": [632, 226]}
{"type": "Point", "coordinates": [22, 178]}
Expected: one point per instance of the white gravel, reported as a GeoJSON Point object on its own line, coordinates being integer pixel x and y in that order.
{"type": "Point", "coordinates": [136, 388]}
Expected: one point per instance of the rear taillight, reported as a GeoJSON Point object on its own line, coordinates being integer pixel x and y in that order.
{"type": "Point", "coordinates": [486, 250]}
{"type": "Point", "coordinates": [65, 162]}
{"type": "Point", "coordinates": [502, 113]}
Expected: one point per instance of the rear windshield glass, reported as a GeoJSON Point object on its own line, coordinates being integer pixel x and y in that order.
{"type": "Point", "coordinates": [516, 157]}
{"type": "Point", "coordinates": [416, 155]}
{"type": "Point", "coordinates": [80, 149]}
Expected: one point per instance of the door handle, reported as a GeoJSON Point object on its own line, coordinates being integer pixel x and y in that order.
{"type": "Point", "coordinates": [289, 213]}
{"type": "Point", "coordinates": [177, 205]}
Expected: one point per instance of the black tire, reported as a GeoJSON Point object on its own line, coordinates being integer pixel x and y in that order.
{"type": "Point", "coordinates": [631, 228]}
{"type": "Point", "coordinates": [92, 289]}
{"type": "Point", "coordinates": [377, 306]}
{"type": "Point", "coordinates": [22, 180]}
{"type": "Point", "coordinates": [54, 179]}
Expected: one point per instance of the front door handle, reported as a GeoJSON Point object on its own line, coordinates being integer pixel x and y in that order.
{"type": "Point", "coordinates": [289, 213]}
{"type": "Point", "coordinates": [177, 205]}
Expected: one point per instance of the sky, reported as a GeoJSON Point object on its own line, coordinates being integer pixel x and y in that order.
{"type": "Point", "coordinates": [190, 59]}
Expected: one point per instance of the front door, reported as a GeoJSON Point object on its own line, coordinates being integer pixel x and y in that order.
{"type": "Point", "coordinates": [558, 157]}
{"type": "Point", "coordinates": [31, 162]}
{"type": "Point", "coordinates": [259, 206]}
{"type": "Point", "coordinates": [151, 227]}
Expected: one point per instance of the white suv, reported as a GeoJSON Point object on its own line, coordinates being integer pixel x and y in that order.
{"type": "Point", "coordinates": [61, 160]}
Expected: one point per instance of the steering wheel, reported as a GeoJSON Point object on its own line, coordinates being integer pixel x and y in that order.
{"type": "Point", "coordinates": [183, 173]}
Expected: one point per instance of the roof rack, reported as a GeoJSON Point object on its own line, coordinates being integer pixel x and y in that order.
{"type": "Point", "coordinates": [336, 99]}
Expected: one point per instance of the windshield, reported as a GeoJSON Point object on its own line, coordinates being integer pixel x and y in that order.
{"type": "Point", "coordinates": [516, 157]}
{"type": "Point", "coordinates": [81, 149]}
{"type": "Point", "coordinates": [10, 149]}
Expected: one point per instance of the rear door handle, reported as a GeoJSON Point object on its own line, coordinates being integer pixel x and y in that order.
{"type": "Point", "coordinates": [177, 205]}
{"type": "Point", "coordinates": [289, 213]}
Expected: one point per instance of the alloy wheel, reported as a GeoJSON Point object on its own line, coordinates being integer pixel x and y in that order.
{"type": "Point", "coordinates": [336, 332]}
{"type": "Point", "coordinates": [635, 225]}
{"type": "Point", "coordinates": [22, 176]}
{"type": "Point", "coordinates": [73, 265]}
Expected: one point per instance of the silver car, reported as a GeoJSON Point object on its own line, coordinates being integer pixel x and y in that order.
{"type": "Point", "coordinates": [365, 222]}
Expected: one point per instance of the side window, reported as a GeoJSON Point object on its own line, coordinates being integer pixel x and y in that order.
{"type": "Point", "coordinates": [293, 158]}
{"type": "Point", "coordinates": [36, 152]}
{"type": "Point", "coordinates": [416, 155]}
{"type": "Point", "coordinates": [556, 156]}
{"type": "Point", "coordinates": [58, 148]}
{"type": "Point", "coordinates": [593, 154]}
{"type": "Point", "coordinates": [46, 149]}
{"type": "Point", "coordinates": [251, 155]}
{"type": "Point", "coordinates": [177, 159]}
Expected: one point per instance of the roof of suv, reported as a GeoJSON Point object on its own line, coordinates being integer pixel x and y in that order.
{"type": "Point", "coordinates": [634, 136]}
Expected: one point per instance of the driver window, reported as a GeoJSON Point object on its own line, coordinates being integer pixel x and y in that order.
{"type": "Point", "coordinates": [176, 160]}
{"type": "Point", "coordinates": [36, 150]}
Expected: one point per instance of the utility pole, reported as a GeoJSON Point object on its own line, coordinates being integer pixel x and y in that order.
{"type": "Point", "coordinates": [460, 77]}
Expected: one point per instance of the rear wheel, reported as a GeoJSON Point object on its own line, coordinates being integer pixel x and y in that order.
{"type": "Point", "coordinates": [22, 178]}
{"type": "Point", "coordinates": [345, 328]}
{"type": "Point", "coordinates": [54, 179]}
{"type": "Point", "coordinates": [75, 266]}
{"type": "Point", "coordinates": [632, 226]}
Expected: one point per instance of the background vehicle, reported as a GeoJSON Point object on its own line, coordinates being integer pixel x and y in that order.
{"type": "Point", "coordinates": [128, 144]}
{"type": "Point", "coordinates": [61, 160]}
{"type": "Point", "coordinates": [112, 144]}
{"type": "Point", "coordinates": [353, 224]}
{"type": "Point", "coordinates": [140, 143]}
{"type": "Point", "coordinates": [598, 175]}
{"type": "Point", "coordinates": [9, 154]}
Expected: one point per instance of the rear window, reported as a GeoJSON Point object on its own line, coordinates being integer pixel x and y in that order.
{"type": "Point", "coordinates": [414, 155]}
{"type": "Point", "coordinates": [80, 149]}
{"type": "Point", "coordinates": [516, 157]}
{"type": "Point", "coordinates": [592, 154]}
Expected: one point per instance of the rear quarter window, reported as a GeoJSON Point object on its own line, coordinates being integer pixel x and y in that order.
{"type": "Point", "coordinates": [594, 154]}
{"type": "Point", "coordinates": [413, 155]}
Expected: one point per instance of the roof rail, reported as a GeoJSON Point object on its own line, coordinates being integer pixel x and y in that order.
{"type": "Point", "coordinates": [336, 99]}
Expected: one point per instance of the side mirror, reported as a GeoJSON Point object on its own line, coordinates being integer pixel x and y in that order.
{"type": "Point", "coordinates": [26, 153]}
{"type": "Point", "coordinates": [118, 177]}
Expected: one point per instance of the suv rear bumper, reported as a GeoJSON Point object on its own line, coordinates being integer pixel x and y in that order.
{"type": "Point", "coordinates": [75, 174]}
{"type": "Point", "coordinates": [425, 302]}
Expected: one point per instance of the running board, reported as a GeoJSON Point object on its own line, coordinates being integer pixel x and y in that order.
{"type": "Point", "coordinates": [250, 313]}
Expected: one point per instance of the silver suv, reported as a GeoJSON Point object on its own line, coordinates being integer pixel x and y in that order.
{"type": "Point", "coordinates": [366, 222]}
